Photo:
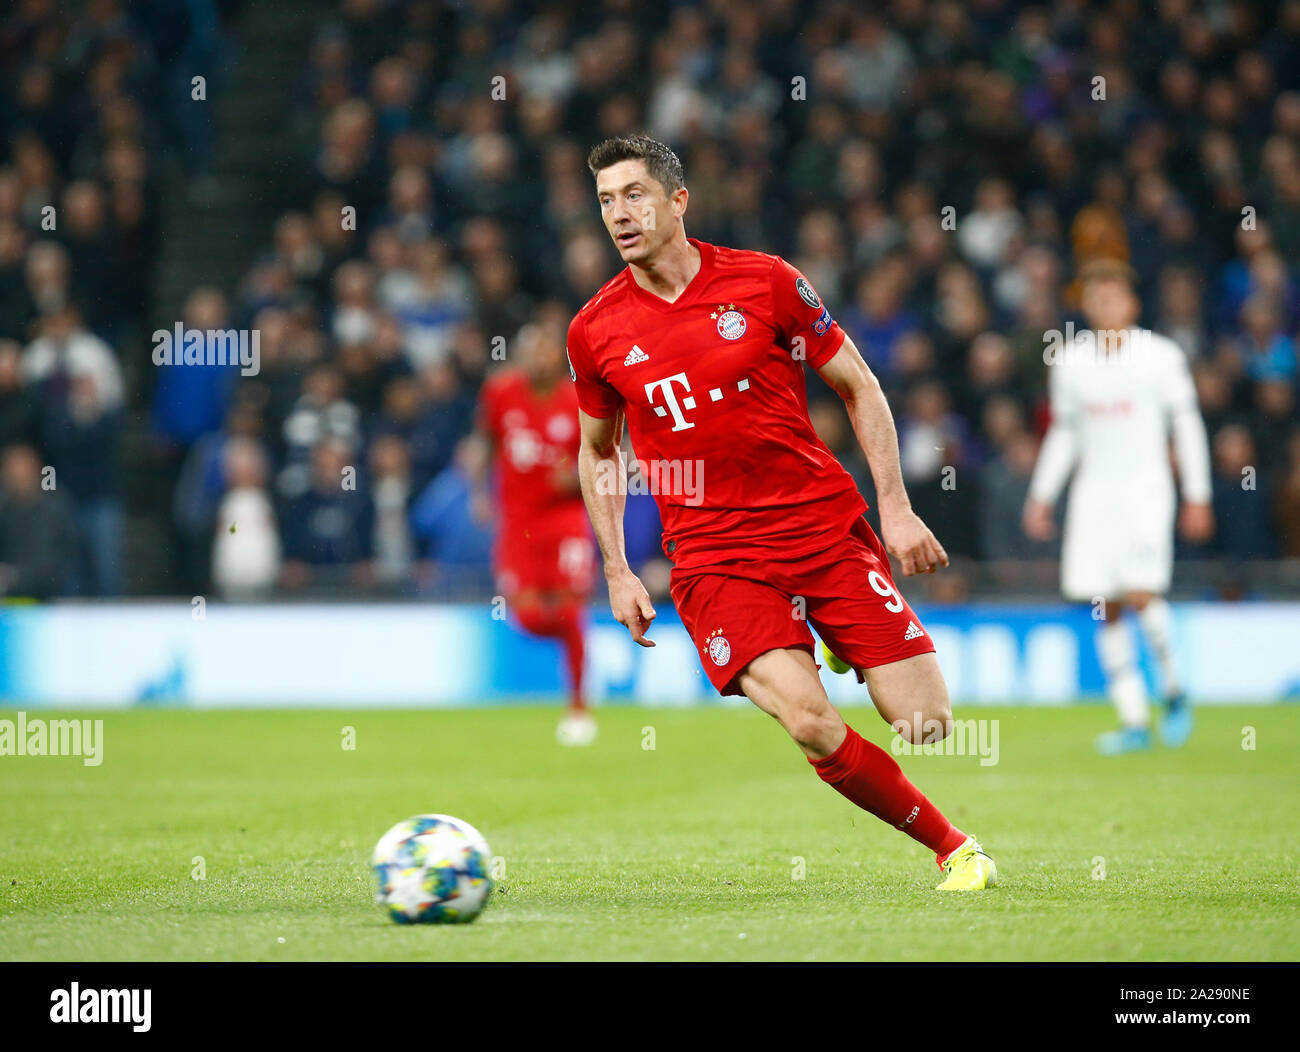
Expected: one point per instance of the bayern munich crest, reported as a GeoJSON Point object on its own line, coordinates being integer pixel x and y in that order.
{"type": "Point", "coordinates": [719, 648]}
{"type": "Point", "coordinates": [731, 325]}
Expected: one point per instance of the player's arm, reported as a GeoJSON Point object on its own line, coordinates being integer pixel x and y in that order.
{"type": "Point", "coordinates": [1191, 451]}
{"type": "Point", "coordinates": [477, 451]}
{"type": "Point", "coordinates": [1055, 462]}
{"type": "Point", "coordinates": [602, 474]}
{"type": "Point", "coordinates": [906, 537]}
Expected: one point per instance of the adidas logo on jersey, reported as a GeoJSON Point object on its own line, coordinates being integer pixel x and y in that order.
{"type": "Point", "coordinates": [912, 631]}
{"type": "Point", "coordinates": [636, 356]}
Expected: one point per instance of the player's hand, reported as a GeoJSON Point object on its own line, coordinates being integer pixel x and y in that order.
{"type": "Point", "coordinates": [1037, 520]}
{"type": "Point", "coordinates": [1196, 522]}
{"type": "Point", "coordinates": [631, 605]}
{"type": "Point", "coordinates": [910, 541]}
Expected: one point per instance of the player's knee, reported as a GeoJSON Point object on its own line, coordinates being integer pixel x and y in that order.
{"type": "Point", "coordinates": [813, 726]}
{"type": "Point", "coordinates": [1138, 600]}
{"type": "Point", "coordinates": [928, 724]}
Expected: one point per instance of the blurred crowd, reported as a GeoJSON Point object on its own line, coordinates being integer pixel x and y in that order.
{"type": "Point", "coordinates": [90, 102]}
{"type": "Point", "coordinates": [938, 170]}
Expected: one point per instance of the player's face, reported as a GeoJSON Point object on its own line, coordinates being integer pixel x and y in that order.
{"type": "Point", "coordinates": [1110, 304]}
{"type": "Point", "coordinates": [638, 214]}
{"type": "Point", "coordinates": [542, 355]}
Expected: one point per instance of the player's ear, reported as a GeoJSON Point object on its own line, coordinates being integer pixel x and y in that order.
{"type": "Point", "coordinates": [680, 198]}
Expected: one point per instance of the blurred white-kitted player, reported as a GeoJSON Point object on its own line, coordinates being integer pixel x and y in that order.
{"type": "Point", "coordinates": [1118, 393]}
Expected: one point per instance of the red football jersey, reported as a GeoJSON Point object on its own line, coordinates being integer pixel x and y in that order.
{"type": "Point", "coordinates": [713, 388]}
{"type": "Point", "coordinates": [536, 440]}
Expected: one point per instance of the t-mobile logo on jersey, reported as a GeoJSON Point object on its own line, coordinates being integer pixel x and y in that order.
{"type": "Point", "coordinates": [673, 407]}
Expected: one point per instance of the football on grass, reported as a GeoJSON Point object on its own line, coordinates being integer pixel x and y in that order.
{"type": "Point", "coordinates": [432, 869]}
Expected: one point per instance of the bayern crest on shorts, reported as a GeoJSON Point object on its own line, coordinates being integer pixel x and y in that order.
{"type": "Point", "coordinates": [731, 325]}
{"type": "Point", "coordinates": [719, 648]}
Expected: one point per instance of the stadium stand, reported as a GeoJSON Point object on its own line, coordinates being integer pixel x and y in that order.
{"type": "Point", "coordinates": [354, 190]}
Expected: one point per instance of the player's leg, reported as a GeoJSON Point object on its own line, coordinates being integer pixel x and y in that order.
{"type": "Point", "coordinates": [578, 726]}
{"type": "Point", "coordinates": [853, 602]}
{"type": "Point", "coordinates": [560, 615]}
{"type": "Point", "coordinates": [1155, 620]}
{"type": "Point", "coordinates": [1124, 685]}
{"type": "Point", "coordinates": [575, 565]}
{"type": "Point", "coordinates": [549, 579]}
{"type": "Point", "coordinates": [784, 684]}
{"type": "Point", "coordinates": [867, 625]}
{"type": "Point", "coordinates": [754, 640]}
{"type": "Point", "coordinates": [912, 697]}
{"type": "Point", "coordinates": [1144, 575]}
{"type": "Point", "coordinates": [1095, 552]}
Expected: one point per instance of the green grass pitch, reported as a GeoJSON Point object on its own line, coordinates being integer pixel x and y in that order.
{"type": "Point", "coordinates": [688, 851]}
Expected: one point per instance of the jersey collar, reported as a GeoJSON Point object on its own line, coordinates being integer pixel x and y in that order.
{"type": "Point", "coordinates": [693, 287]}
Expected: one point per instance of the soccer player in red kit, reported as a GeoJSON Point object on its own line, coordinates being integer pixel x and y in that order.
{"type": "Point", "coordinates": [702, 350]}
{"type": "Point", "coordinates": [544, 557]}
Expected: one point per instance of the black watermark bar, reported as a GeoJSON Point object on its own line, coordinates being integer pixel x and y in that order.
{"type": "Point", "coordinates": [330, 1000]}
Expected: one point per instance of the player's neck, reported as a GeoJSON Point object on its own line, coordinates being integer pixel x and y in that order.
{"type": "Point", "coordinates": [672, 269]}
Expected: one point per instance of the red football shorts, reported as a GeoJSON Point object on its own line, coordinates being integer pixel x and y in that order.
{"type": "Point", "coordinates": [736, 611]}
{"type": "Point", "coordinates": [545, 561]}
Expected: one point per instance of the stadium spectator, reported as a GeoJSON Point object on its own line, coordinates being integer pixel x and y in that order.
{"type": "Point", "coordinates": [390, 488]}
{"type": "Point", "coordinates": [202, 487]}
{"type": "Point", "coordinates": [15, 304]}
{"type": "Point", "coordinates": [191, 397]}
{"type": "Point", "coordinates": [437, 299]}
{"type": "Point", "coordinates": [1265, 351]}
{"type": "Point", "coordinates": [879, 316]}
{"type": "Point", "coordinates": [445, 415]}
{"type": "Point", "coordinates": [1286, 508]}
{"type": "Point", "coordinates": [1273, 421]}
{"type": "Point", "coordinates": [321, 412]}
{"type": "Point", "coordinates": [81, 394]}
{"type": "Point", "coordinates": [454, 536]}
{"type": "Point", "coordinates": [1179, 314]}
{"type": "Point", "coordinates": [990, 374]}
{"type": "Point", "coordinates": [934, 449]}
{"type": "Point", "coordinates": [20, 413]}
{"type": "Point", "coordinates": [246, 543]}
{"type": "Point", "coordinates": [1242, 508]}
{"type": "Point", "coordinates": [1003, 487]}
{"type": "Point", "coordinates": [92, 244]}
{"type": "Point", "coordinates": [327, 528]}
{"type": "Point", "coordinates": [38, 537]}
{"type": "Point", "coordinates": [989, 231]}
{"type": "Point", "coordinates": [48, 279]}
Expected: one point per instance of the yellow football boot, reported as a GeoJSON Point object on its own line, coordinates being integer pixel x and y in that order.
{"type": "Point", "coordinates": [968, 868]}
{"type": "Point", "coordinates": [833, 663]}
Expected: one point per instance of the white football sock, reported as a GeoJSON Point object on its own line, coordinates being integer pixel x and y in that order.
{"type": "Point", "coordinates": [1157, 621]}
{"type": "Point", "coordinates": [1123, 677]}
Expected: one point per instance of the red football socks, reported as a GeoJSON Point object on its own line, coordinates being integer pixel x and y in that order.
{"type": "Point", "coordinates": [867, 775]}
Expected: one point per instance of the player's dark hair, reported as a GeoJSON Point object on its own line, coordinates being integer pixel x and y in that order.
{"type": "Point", "coordinates": [663, 165]}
